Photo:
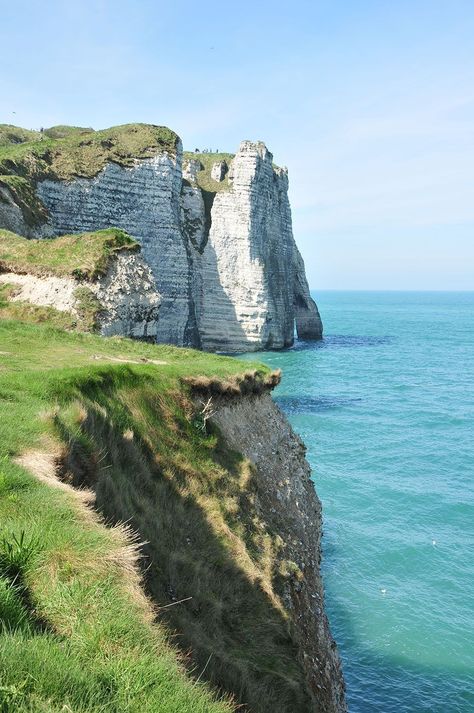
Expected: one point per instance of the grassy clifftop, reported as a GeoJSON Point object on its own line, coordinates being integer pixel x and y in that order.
{"type": "Point", "coordinates": [82, 255]}
{"type": "Point", "coordinates": [116, 417]}
{"type": "Point", "coordinates": [60, 153]}
{"type": "Point", "coordinates": [65, 152]}
{"type": "Point", "coordinates": [75, 630]}
{"type": "Point", "coordinates": [207, 161]}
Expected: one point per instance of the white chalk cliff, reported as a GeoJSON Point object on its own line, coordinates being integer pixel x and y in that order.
{"type": "Point", "coordinates": [223, 258]}
{"type": "Point", "coordinates": [254, 284]}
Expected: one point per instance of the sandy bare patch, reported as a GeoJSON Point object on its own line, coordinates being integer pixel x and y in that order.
{"type": "Point", "coordinates": [44, 466]}
{"type": "Point", "coordinates": [57, 292]}
{"type": "Point", "coordinates": [122, 360]}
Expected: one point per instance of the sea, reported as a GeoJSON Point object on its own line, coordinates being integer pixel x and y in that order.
{"type": "Point", "coordinates": [385, 405]}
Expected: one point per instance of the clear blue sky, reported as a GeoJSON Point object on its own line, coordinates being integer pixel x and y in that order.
{"type": "Point", "coordinates": [370, 104]}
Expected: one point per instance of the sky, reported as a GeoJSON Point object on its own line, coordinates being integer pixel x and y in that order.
{"type": "Point", "coordinates": [369, 103]}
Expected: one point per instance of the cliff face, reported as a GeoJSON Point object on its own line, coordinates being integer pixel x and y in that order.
{"type": "Point", "coordinates": [250, 263]}
{"type": "Point", "coordinates": [287, 501]}
{"type": "Point", "coordinates": [144, 201]}
{"type": "Point", "coordinates": [221, 252]}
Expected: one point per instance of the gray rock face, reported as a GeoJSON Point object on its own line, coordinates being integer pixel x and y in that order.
{"type": "Point", "coordinates": [130, 302]}
{"type": "Point", "coordinates": [286, 496]}
{"type": "Point", "coordinates": [11, 218]}
{"type": "Point", "coordinates": [225, 262]}
{"type": "Point", "coordinates": [307, 319]}
{"type": "Point", "coordinates": [218, 171]}
{"type": "Point", "coordinates": [144, 201]}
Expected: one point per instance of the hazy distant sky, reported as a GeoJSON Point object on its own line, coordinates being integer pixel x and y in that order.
{"type": "Point", "coordinates": [370, 104]}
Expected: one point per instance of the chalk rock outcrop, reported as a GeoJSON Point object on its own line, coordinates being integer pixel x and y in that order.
{"type": "Point", "coordinates": [124, 298]}
{"type": "Point", "coordinates": [221, 250]}
{"type": "Point", "coordinates": [253, 276]}
{"type": "Point", "coordinates": [128, 297]}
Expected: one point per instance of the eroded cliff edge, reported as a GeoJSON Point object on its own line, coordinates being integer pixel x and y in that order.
{"type": "Point", "coordinates": [219, 489]}
{"type": "Point", "coordinates": [94, 282]}
{"type": "Point", "coordinates": [288, 502]}
{"type": "Point", "coordinates": [221, 249]}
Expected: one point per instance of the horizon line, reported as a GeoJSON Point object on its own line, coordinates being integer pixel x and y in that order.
{"type": "Point", "coordinates": [375, 289]}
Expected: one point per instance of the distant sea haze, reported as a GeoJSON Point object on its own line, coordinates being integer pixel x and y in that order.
{"type": "Point", "coordinates": [385, 405]}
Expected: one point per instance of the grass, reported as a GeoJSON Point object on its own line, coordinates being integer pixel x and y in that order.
{"type": "Point", "coordinates": [118, 417]}
{"type": "Point", "coordinates": [203, 178]}
{"type": "Point", "coordinates": [11, 135]}
{"type": "Point", "coordinates": [83, 256]}
{"type": "Point", "coordinates": [84, 152]}
{"type": "Point", "coordinates": [61, 131]}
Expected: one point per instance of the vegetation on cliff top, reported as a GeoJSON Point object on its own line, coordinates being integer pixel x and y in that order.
{"type": "Point", "coordinates": [207, 161]}
{"type": "Point", "coordinates": [73, 151]}
{"type": "Point", "coordinates": [82, 255]}
{"type": "Point", "coordinates": [11, 135]}
{"type": "Point", "coordinates": [76, 633]}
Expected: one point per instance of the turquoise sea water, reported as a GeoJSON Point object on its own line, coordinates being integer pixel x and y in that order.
{"type": "Point", "coordinates": [385, 405]}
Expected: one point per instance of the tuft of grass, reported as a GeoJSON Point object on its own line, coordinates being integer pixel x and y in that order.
{"type": "Point", "coordinates": [88, 309]}
{"type": "Point", "coordinates": [13, 612]}
{"type": "Point", "coordinates": [15, 553]}
{"type": "Point", "coordinates": [244, 384]}
{"type": "Point", "coordinates": [24, 195]}
{"type": "Point", "coordinates": [82, 256]}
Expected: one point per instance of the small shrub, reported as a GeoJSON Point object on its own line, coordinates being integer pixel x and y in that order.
{"type": "Point", "coordinates": [88, 309]}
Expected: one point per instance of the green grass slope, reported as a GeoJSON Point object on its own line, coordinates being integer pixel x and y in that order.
{"type": "Point", "coordinates": [11, 135]}
{"type": "Point", "coordinates": [82, 255]}
{"type": "Point", "coordinates": [76, 633]}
